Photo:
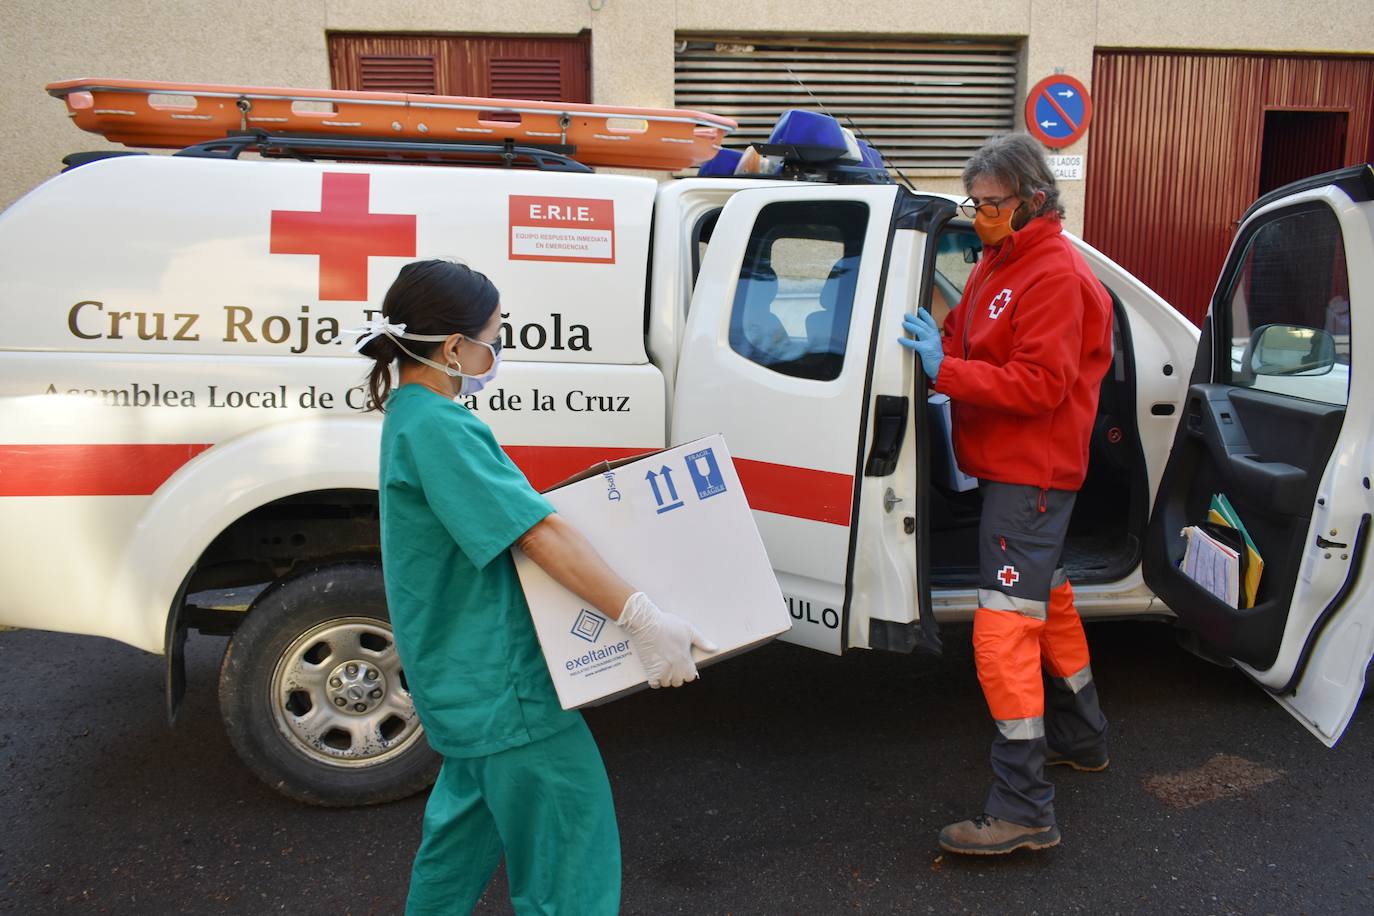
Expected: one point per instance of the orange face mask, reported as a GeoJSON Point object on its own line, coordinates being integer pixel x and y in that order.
{"type": "Point", "coordinates": [993, 230]}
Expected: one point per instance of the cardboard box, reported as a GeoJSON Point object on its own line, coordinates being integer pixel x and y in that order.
{"type": "Point", "coordinates": [676, 526]}
{"type": "Point", "coordinates": [942, 464]}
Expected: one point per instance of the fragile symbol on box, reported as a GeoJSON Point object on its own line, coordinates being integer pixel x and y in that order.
{"type": "Point", "coordinates": [588, 626]}
{"type": "Point", "coordinates": [705, 473]}
{"type": "Point", "coordinates": [666, 498]}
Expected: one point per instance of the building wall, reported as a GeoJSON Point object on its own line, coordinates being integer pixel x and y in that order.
{"type": "Point", "coordinates": [283, 43]}
{"type": "Point", "coordinates": [145, 39]}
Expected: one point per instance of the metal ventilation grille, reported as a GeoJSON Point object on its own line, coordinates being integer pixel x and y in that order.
{"type": "Point", "coordinates": [925, 105]}
{"type": "Point", "coordinates": [538, 78]}
{"type": "Point", "coordinates": [395, 73]}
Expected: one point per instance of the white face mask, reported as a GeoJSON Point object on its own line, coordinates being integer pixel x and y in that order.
{"type": "Point", "coordinates": [471, 383]}
{"type": "Point", "coordinates": [475, 383]}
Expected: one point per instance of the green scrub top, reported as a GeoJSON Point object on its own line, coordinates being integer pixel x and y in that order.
{"type": "Point", "coordinates": [452, 503]}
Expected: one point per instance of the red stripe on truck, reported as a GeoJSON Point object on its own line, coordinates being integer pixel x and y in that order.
{"type": "Point", "coordinates": [138, 470]}
{"type": "Point", "coordinates": [90, 470]}
{"type": "Point", "coordinates": [821, 496]}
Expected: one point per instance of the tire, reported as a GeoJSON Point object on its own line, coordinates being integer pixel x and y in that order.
{"type": "Point", "coordinates": [313, 695]}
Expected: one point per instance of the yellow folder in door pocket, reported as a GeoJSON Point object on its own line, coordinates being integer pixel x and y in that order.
{"type": "Point", "coordinates": [1223, 513]}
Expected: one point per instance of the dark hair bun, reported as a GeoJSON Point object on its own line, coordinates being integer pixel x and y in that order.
{"type": "Point", "coordinates": [382, 349]}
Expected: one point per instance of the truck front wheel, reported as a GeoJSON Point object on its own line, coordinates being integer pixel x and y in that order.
{"type": "Point", "coordinates": [314, 697]}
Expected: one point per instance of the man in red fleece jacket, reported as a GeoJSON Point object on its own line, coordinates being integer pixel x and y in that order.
{"type": "Point", "coordinates": [1022, 357]}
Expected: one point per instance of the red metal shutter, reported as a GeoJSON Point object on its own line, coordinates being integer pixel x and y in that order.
{"type": "Point", "coordinates": [538, 78]}
{"type": "Point", "coordinates": [395, 73]}
{"type": "Point", "coordinates": [391, 63]}
{"type": "Point", "coordinates": [547, 69]}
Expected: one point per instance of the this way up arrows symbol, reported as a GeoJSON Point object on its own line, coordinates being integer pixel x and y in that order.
{"type": "Point", "coordinates": [667, 473]}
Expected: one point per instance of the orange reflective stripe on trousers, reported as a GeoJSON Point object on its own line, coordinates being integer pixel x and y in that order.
{"type": "Point", "coordinates": [1006, 648]}
{"type": "Point", "coordinates": [1062, 643]}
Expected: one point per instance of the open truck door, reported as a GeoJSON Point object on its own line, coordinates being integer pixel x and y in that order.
{"type": "Point", "coordinates": [1278, 421]}
{"type": "Point", "coordinates": [790, 351]}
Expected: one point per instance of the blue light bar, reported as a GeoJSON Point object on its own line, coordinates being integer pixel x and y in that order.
{"type": "Point", "coordinates": [809, 136]}
{"type": "Point", "coordinates": [722, 165]}
{"type": "Point", "coordinates": [871, 157]}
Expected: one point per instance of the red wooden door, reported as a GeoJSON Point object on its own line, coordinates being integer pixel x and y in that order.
{"type": "Point", "coordinates": [547, 69]}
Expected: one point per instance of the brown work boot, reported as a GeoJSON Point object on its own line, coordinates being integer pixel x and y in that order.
{"type": "Point", "coordinates": [1093, 762]}
{"type": "Point", "coordinates": [990, 836]}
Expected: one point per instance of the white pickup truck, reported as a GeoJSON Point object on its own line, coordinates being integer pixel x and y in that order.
{"type": "Point", "coordinates": [180, 412]}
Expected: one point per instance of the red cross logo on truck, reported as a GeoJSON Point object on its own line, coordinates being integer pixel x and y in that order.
{"type": "Point", "coordinates": [1009, 576]}
{"type": "Point", "coordinates": [344, 234]}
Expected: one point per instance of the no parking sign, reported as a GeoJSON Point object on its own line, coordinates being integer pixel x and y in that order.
{"type": "Point", "coordinates": [1058, 110]}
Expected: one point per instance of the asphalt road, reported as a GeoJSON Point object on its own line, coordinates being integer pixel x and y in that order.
{"type": "Point", "coordinates": [785, 782]}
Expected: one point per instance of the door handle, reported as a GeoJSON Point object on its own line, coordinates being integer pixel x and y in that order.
{"type": "Point", "coordinates": [889, 428]}
{"type": "Point", "coordinates": [1193, 416]}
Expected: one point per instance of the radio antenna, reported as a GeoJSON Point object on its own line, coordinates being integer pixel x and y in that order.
{"type": "Point", "coordinates": [854, 127]}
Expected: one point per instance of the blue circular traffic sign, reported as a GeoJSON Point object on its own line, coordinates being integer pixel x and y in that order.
{"type": "Point", "coordinates": [1058, 110]}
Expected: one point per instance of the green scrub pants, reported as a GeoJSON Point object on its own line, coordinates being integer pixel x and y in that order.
{"type": "Point", "coordinates": [548, 805]}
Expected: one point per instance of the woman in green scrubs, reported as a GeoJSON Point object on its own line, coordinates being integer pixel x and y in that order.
{"type": "Point", "coordinates": [521, 775]}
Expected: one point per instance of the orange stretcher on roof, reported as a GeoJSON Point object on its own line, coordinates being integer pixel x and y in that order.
{"type": "Point", "coordinates": [174, 115]}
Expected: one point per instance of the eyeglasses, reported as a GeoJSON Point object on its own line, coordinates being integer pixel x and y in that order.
{"type": "Point", "coordinates": [989, 206]}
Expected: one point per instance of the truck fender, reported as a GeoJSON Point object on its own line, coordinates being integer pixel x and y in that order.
{"type": "Point", "coordinates": [215, 489]}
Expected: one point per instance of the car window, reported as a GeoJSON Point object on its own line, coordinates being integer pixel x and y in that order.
{"type": "Point", "coordinates": [795, 293]}
{"type": "Point", "coordinates": [956, 253]}
{"type": "Point", "coordinates": [1288, 307]}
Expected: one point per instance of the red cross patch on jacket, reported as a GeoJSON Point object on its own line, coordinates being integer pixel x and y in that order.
{"type": "Point", "coordinates": [999, 304]}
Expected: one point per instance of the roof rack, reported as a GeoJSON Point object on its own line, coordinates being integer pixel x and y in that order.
{"type": "Point", "coordinates": [75, 160]}
{"type": "Point", "coordinates": [309, 147]}
{"type": "Point", "coordinates": [176, 115]}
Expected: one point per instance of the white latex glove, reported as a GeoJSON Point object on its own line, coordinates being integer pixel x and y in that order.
{"type": "Point", "coordinates": [662, 641]}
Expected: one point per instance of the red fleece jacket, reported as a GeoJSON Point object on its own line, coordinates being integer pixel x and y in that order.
{"type": "Point", "coordinates": [1025, 352]}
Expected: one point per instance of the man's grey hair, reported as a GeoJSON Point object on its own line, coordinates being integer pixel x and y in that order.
{"type": "Point", "coordinates": [1018, 160]}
